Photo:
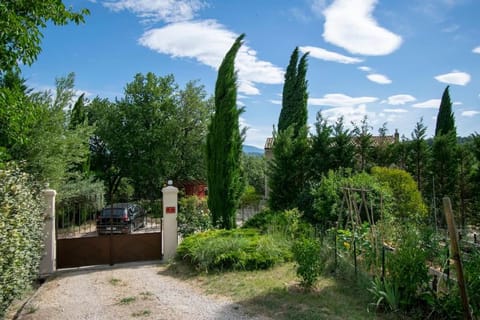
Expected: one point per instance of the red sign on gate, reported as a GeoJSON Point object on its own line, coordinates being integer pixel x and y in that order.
{"type": "Point", "coordinates": [170, 209]}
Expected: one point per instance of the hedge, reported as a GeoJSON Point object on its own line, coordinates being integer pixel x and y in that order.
{"type": "Point", "coordinates": [21, 233]}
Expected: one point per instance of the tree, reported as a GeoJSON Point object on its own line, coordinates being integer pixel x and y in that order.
{"type": "Point", "coordinates": [292, 132]}
{"type": "Point", "coordinates": [21, 22]}
{"type": "Point", "coordinates": [254, 170]}
{"type": "Point", "coordinates": [419, 155]}
{"type": "Point", "coordinates": [445, 118]}
{"type": "Point", "coordinates": [444, 165]}
{"type": "Point", "coordinates": [321, 147]}
{"type": "Point", "coordinates": [364, 143]}
{"type": "Point", "coordinates": [224, 145]}
{"type": "Point", "coordinates": [465, 159]}
{"type": "Point", "coordinates": [342, 153]}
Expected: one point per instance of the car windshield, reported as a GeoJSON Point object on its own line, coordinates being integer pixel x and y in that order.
{"type": "Point", "coordinates": [117, 212]}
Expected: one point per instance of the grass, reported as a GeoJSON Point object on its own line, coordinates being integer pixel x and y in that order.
{"type": "Point", "coordinates": [276, 293]}
{"type": "Point", "coordinates": [127, 300]}
{"type": "Point", "coordinates": [143, 313]}
{"type": "Point", "coordinates": [115, 281]}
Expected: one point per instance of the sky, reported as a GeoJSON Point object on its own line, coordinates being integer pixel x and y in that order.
{"type": "Point", "coordinates": [387, 60]}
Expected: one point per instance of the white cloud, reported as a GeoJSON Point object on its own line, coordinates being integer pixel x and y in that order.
{"type": "Point", "coordinates": [340, 100]}
{"type": "Point", "coordinates": [365, 68]}
{"type": "Point", "coordinates": [350, 114]}
{"type": "Point", "coordinates": [476, 50]}
{"type": "Point", "coordinates": [470, 113]}
{"type": "Point", "coordinates": [349, 24]}
{"type": "Point", "coordinates": [454, 77]}
{"type": "Point", "coordinates": [323, 54]}
{"type": "Point", "coordinates": [399, 110]}
{"type": "Point", "coordinates": [158, 10]}
{"type": "Point", "coordinates": [429, 104]}
{"type": "Point", "coordinates": [207, 42]}
{"type": "Point", "coordinates": [276, 101]}
{"type": "Point", "coordinates": [318, 6]}
{"type": "Point", "coordinates": [379, 78]}
{"type": "Point", "coordinates": [400, 99]}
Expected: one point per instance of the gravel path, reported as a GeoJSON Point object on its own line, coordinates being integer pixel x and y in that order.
{"type": "Point", "coordinates": [129, 291]}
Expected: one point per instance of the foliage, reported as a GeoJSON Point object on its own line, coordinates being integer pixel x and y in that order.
{"type": "Point", "coordinates": [331, 205]}
{"type": "Point", "coordinates": [224, 145]}
{"type": "Point", "coordinates": [237, 249]}
{"type": "Point", "coordinates": [407, 270]}
{"type": "Point", "coordinates": [290, 149]}
{"type": "Point", "coordinates": [254, 170]}
{"type": "Point", "coordinates": [139, 126]}
{"type": "Point", "coordinates": [306, 253]}
{"type": "Point", "coordinates": [249, 197]}
{"type": "Point", "coordinates": [21, 22]}
{"type": "Point", "coordinates": [408, 203]}
{"type": "Point", "coordinates": [419, 155]}
{"type": "Point", "coordinates": [342, 152]}
{"type": "Point", "coordinates": [193, 215]}
{"type": "Point", "coordinates": [319, 159]}
{"type": "Point", "coordinates": [385, 294]}
{"type": "Point", "coordinates": [287, 223]}
{"type": "Point", "coordinates": [21, 233]}
{"type": "Point", "coordinates": [364, 143]}
{"type": "Point", "coordinates": [445, 119]}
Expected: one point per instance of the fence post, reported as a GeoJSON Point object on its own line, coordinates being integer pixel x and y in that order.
{"type": "Point", "coordinates": [170, 233]}
{"type": "Point", "coordinates": [447, 206]}
{"type": "Point", "coordinates": [48, 262]}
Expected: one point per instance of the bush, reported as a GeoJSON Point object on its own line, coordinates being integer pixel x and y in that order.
{"type": "Point", "coordinates": [193, 215]}
{"type": "Point", "coordinates": [21, 233]}
{"type": "Point", "coordinates": [306, 253]}
{"type": "Point", "coordinates": [288, 223]}
{"type": "Point", "coordinates": [238, 249]}
{"type": "Point", "coordinates": [407, 269]}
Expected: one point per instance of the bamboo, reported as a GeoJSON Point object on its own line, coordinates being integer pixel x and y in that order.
{"type": "Point", "coordinates": [447, 206]}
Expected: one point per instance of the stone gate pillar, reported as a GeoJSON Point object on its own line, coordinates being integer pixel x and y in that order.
{"type": "Point", "coordinates": [48, 262]}
{"type": "Point", "coordinates": [170, 233]}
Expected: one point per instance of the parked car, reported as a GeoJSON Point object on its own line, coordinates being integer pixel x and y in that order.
{"type": "Point", "coordinates": [120, 218]}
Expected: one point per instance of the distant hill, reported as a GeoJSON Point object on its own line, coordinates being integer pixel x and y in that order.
{"type": "Point", "coordinates": [252, 149]}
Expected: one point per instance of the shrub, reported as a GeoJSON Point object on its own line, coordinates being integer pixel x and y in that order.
{"type": "Point", "coordinates": [193, 215]}
{"type": "Point", "coordinates": [287, 223]}
{"type": "Point", "coordinates": [238, 249]}
{"type": "Point", "coordinates": [21, 233]}
{"type": "Point", "coordinates": [407, 269]}
{"type": "Point", "coordinates": [306, 253]}
{"type": "Point", "coordinates": [408, 202]}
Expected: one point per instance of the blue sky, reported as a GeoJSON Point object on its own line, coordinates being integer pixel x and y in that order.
{"type": "Point", "coordinates": [389, 60]}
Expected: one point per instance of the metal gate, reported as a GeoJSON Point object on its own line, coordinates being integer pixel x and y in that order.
{"type": "Point", "coordinates": [80, 244]}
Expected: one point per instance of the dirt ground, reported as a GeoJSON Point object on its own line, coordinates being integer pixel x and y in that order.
{"type": "Point", "coordinates": [128, 291]}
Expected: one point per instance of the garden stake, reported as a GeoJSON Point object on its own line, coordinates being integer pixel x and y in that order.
{"type": "Point", "coordinates": [447, 206]}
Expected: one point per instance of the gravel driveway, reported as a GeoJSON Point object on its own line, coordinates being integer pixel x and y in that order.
{"type": "Point", "coordinates": [129, 291]}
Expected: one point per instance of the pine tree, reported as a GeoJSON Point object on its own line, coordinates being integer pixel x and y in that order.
{"type": "Point", "coordinates": [288, 94]}
{"type": "Point", "coordinates": [419, 152]}
{"type": "Point", "coordinates": [445, 118]}
{"type": "Point", "coordinates": [224, 145]}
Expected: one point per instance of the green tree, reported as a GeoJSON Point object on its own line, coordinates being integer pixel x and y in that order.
{"type": "Point", "coordinates": [293, 132]}
{"type": "Point", "coordinates": [445, 118]}
{"type": "Point", "coordinates": [342, 153]}
{"type": "Point", "coordinates": [466, 161]}
{"type": "Point", "coordinates": [418, 155]}
{"type": "Point", "coordinates": [254, 169]}
{"type": "Point", "coordinates": [224, 145]}
{"type": "Point", "coordinates": [363, 143]}
{"type": "Point", "coordinates": [321, 147]}
{"type": "Point", "coordinates": [21, 22]}
{"type": "Point", "coordinates": [444, 165]}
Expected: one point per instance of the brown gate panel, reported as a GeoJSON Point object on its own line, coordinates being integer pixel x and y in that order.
{"type": "Point", "coordinates": [87, 251]}
{"type": "Point", "coordinates": [78, 252]}
{"type": "Point", "coordinates": [137, 247]}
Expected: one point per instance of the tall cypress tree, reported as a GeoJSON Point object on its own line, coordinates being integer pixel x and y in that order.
{"type": "Point", "coordinates": [444, 167]}
{"type": "Point", "coordinates": [288, 168]}
{"type": "Point", "coordinates": [445, 118]}
{"type": "Point", "coordinates": [224, 145]}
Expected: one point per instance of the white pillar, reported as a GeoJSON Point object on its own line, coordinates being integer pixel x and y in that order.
{"type": "Point", "coordinates": [170, 234]}
{"type": "Point", "coordinates": [48, 262]}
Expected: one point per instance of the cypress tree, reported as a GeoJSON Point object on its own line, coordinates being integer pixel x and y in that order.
{"type": "Point", "coordinates": [445, 118]}
{"type": "Point", "coordinates": [224, 145]}
{"type": "Point", "coordinates": [288, 169]}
